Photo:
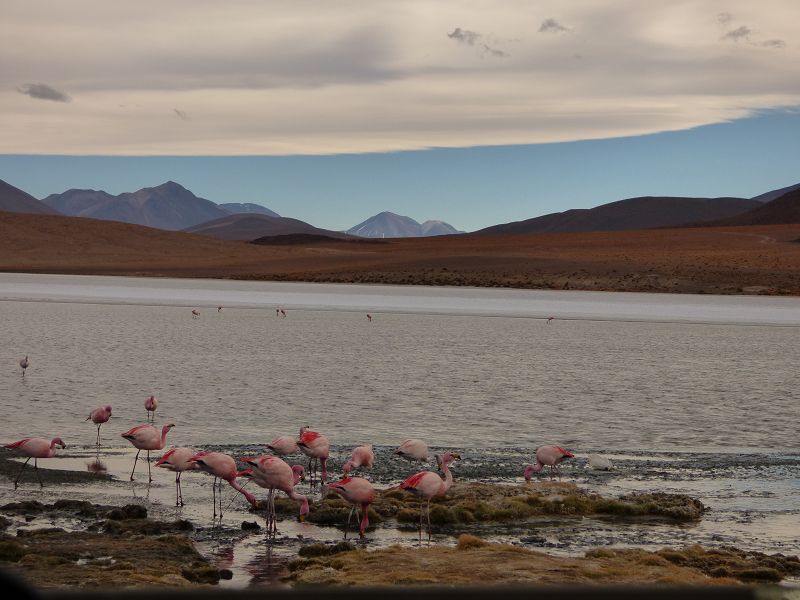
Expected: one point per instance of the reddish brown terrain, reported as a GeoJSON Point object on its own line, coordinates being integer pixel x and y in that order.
{"type": "Point", "coordinates": [727, 260]}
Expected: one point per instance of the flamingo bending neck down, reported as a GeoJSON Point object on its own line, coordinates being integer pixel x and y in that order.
{"type": "Point", "coordinates": [362, 456]}
{"type": "Point", "coordinates": [150, 405]}
{"type": "Point", "coordinates": [413, 450]}
{"type": "Point", "coordinates": [178, 460]}
{"type": "Point", "coordinates": [24, 362]}
{"type": "Point", "coordinates": [428, 484]}
{"type": "Point", "coordinates": [147, 437]}
{"type": "Point", "coordinates": [195, 313]}
{"type": "Point", "coordinates": [551, 456]}
{"type": "Point", "coordinates": [223, 468]}
{"type": "Point", "coordinates": [317, 447]}
{"type": "Point", "coordinates": [358, 492]}
{"type": "Point", "coordinates": [98, 416]}
{"type": "Point", "coordinates": [35, 448]}
{"type": "Point", "coordinates": [272, 473]}
{"type": "Point", "coordinates": [283, 446]}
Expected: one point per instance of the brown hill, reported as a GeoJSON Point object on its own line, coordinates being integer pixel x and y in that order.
{"type": "Point", "coordinates": [644, 212]}
{"type": "Point", "coordinates": [783, 210]}
{"type": "Point", "coordinates": [15, 200]}
{"type": "Point", "coordinates": [760, 259]}
{"type": "Point", "coordinates": [250, 226]}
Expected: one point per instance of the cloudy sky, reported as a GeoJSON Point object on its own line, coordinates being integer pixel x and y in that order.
{"type": "Point", "coordinates": [243, 78]}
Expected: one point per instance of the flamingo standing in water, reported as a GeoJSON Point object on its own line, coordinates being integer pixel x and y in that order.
{"type": "Point", "coordinates": [178, 460]}
{"type": "Point", "coordinates": [150, 405]}
{"type": "Point", "coordinates": [428, 484]}
{"type": "Point", "coordinates": [98, 416]}
{"type": "Point", "coordinates": [358, 492]}
{"type": "Point", "coordinates": [317, 447]}
{"type": "Point", "coordinates": [195, 313]}
{"type": "Point", "coordinates": [272, 473]}
{"type": "Point", "coordinates": [24, 363]}
{"type": "Point", "coordinates": [147, 437]}
{"type": "Point", "coordinates": [412, 450]}
{"type": "Point", "coordinates": [362, 456]}
{"type": "Point", "coordinates": [223, 468]}
{"type": "Point", "coordinates": [550, 456]}
{"type": "Point", "coordinates": [283, 446]}
{"type": "Point", "coordinates": [35, 448]}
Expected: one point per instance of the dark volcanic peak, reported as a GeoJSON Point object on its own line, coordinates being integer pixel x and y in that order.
{"type": "Point", "coordinates": [13, 199]}
{"type": "Point", "coordinates": [770, 196]}
{"type": "Point", "coordinates": [644, 212]}
{"type": "Point", "coordinates": [73, 202]}
{"type": "Point", "coordinates": [391, 225]}
{"type": "Point", "coordinates": [784, 210]}
{"type": "Point", "coordinates": [247, 227]}
{"type": "Point", "coordinates": [236, 208]}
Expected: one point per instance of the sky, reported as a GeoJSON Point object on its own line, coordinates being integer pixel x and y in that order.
{"type": "Point", "coordinates": [473, 112]}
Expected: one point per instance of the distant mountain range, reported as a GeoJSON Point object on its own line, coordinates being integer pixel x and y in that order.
{"type": "Point", "coordinates": [15, 200]}
{"type": "Point", "coordinates": [237, 208]}
{"type": "Point", "coordinates": [247, 227]}
{"type": "Point", "coordinates": [783, 209]}
{"type": "Point", "coordinates": [390, 225]}
{"type": "Point", "coordinates": [167, 206]}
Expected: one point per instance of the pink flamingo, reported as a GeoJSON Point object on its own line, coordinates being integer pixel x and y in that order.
{"type": "Point", "coordinates": [369, 317]}
{"type": "Point", "coordinates": [195, 313]}
{"type": "Point", "coordinates": [147, 437]}
{"type": "Point", "coordinates": [283, 446]}
{"type": "Point", "coordinates": [550, 456]}
{"type": "Point", "coordinates": [98, 416]}
{"type": "Point", "coordinates": [35, 448]}
{"type": "Point", "coordinates": [412, 450]}
{"type": "Point", "coordinates": [24, 363]}
{"type": "Point", "coordinates": [317, 447]}
{"type": "Point", "coordinates": [358, 492]}
{"type": "Point", "coordinates": [550, 320]}
{"type": "Point", "coordinates": [428, 484]}
{"type": "Point", "coordinates": [272, 473]}
{"type": "Point", "coordinates": [150, 405]}
{"type": "Point", "coordinates": [362, 456]}
{"type": "Point", "coordinates": [219, 309]}
{"type": "Point", "coordinates": [223, 468]}
{"type": "Point", "coordinates": [178, 460]}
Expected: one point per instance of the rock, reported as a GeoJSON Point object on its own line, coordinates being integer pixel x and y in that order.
{"type": "Point", "coordinates": [250, 525]}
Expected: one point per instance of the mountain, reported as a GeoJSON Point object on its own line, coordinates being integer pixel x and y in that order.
{"type": "Point", "coordinates": [644, 212]}
{"type": "Point", "coordinates": [238, 208]}
{"type": "Point", "coordinates": [247, 227]}
{"type": "Point", "coordinates": [15, 200]}
{"type": "Point", "coordinates": [167, 206]}
{"type": "Point", "coordinates": [770, 196]}
{"type": "Point", "coordinates": [390, 225]}
{"type": "Point", "coordinates": [783, 210]}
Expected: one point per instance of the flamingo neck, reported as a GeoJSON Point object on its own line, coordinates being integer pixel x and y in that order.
{"type": "Point", "coordinates": [301, 499]}
{"type": "Point", "coordinates": [250, 498]}
{"type": "Point", "coordinates": [448, 476]}
{"type": "Point", "coordinates": [53, 444]}
{"type": "Point", "coordinates": [164, 431]}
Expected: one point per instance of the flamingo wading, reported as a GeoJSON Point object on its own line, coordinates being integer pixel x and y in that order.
{"type": "Point", "coordinates": [147, 437]}
{"type": "Point", "coordinates": [223, 468]}
{"type": "Point", "coordinates": [98, 416]}
{"type": "Point", "coordinates": [550, 456]}
{"type": "Point", "coordinates": [178, 460]}
{"type": "Point", "coordinates": [35, 448]}
{"type": "Point", "coordinates": [150, 405]}
{"type": "Point", "coordinates": [427, 484]}
{"type": "Point", "coordinates": [272, 473]}
{"type": "Point", "coordinates": [358, 492]}
{"type": "Point", "coordinates": [362, 456]}
{"type": "Point", "coordinates": [317, 447]}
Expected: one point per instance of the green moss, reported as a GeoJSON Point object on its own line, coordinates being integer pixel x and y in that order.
{"type": "Point", "coordinates": [11, 551]}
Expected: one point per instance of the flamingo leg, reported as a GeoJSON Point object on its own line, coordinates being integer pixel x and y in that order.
{"type": "Point", "coordinates": [149, 475]}
{"type": "Point", "coordinates": [219, 496]}
{"type": "Point", "coordinates": [272, 515]}
{"type": "Point", "coordinates": [421, 511]}
{"type": "Point", "coordinates": [177, 488]}
{"type": "Point", "coordinates": [39, 477]}
{"type": "Point", "coordinates": [214, 497]}
{"type": "Point", "coordinates": [16, 481]}
{"type": "Point", "coordinates": [134, 464]}
{"type": "Point", "coordinates": [347, 525]}
{"type": "Point", "coordinates": [98, 434]}
{"type": "Point", "coordinates": [429, 521]}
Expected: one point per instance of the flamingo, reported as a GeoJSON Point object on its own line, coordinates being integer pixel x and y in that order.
{"type": "Point", "coordinates": [369, 317]}
{"type": "Point", "coordinates": [150, 405]}
{"type": "Point", "coordinates": [362, 456]}
{"type": "Point", "coordinates": [283, 446]}
{"type": "Point", "coordinates": [222, 467]}
{"type": "Point", "coordinates": [178, 460]}
{"type": "Point", "coordinates": [147, 437]}
{"type": "Point", "coordinates": [35, 448]}
{"type": "Point", "coordinates": [550, 320]}
{"type": "Point", "coordinates": [195, 313]}
{"type": "Point", "coordinates": [358, 492]}
{"type": "Point", "coordinates": [272, 473]}
{"type": "Point", "coordinates": [550, 456]}
{"type": "Point", "coordinates": [317, 447]}
{"type": "Point", "coordinates": [24, 362]}
{"type": "Point", "coordinates": [98, 416]}
{"type": "Point", "coordinates": [428, 484]}
{"type": "Point", "coordinates": [219, 309]}
{"type": "Point", "coordinates": [412, 450]}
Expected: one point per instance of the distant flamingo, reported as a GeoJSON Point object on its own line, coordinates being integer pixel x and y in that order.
{"type": "Point", "coordinates": [98, 416]}
{"type": "Point", "coordinates": [147, 437]}
{"type": "Point", "coordinates": [317, 447]}
{"type": "Point", "coordinates": [35, 448]}
{"type": "Point", "coordinates": [362, 456]}
{"type": "Point", "coordinates": [283, 313]}
{"type": "Point", "coordinates": [428, 484]}
{"type": "Point", "coordinates": [369, 317]}
{"type": "Point", "coordinates": [24, 362]}
{"type": "Point", "coordinates": [283, 446]}
{"type": "Point", "coordinates": [219, 309]}
{"type": "Point", "coordinates": [358, 492]}
{"type": "Point", "coordinates": [272, 473]}
{"type": "Point", "coordinates": [412, 450]}
{"type": "Point", "coordinates": [549, 320]}
{"type": "Point", "coordinates": [178, 460]}
{"type": "Point", "coordinates": [222, 467]}
{"type": "Point", "coordinates": [195, 313]}
{"type": "Point", "coordinates": [550, 456]}
{"type": "Point", "coordinates": [150, 405]}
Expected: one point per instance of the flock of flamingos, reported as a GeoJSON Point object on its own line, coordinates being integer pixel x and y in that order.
{"type": "Point", "coordinates": [273, 473]}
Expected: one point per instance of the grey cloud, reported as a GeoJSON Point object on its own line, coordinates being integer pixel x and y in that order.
{"type": "Point", "coordinates": [552, 26]}
{"type": "Point", "coordinates": [740, 33]}
{"type": "Point", "coordinates": [724, 18]}
{"type": "Point", "coordinates": [465, 36]}
{"type": "Point", "coordinates": [778, 44]}
{"type": "Point", "coordinates": [42, 91]}
{"type": "Point", "coordinates": [180, 114]}
{"type": "Point", "coordinates": [494, 52]}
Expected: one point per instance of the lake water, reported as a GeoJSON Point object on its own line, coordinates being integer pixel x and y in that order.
{"type": "Point", "coordinates": [692, 394]}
